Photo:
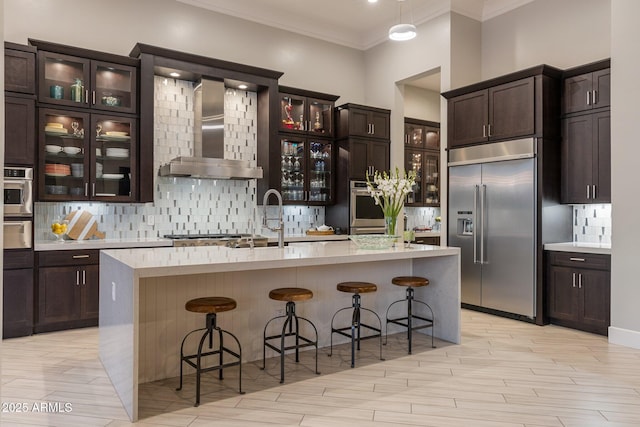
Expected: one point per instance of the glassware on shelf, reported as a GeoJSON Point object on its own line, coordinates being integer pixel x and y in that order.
{"type": "Point", "coordinates": [296, 164]}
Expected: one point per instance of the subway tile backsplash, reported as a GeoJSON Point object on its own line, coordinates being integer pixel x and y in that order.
{"type": "Point", "coordinates": [592, 223]}
{"type": "Point", "coordinates": [186, 205]}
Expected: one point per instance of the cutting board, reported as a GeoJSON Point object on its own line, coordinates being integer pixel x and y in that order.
{"type": "Point", "coordinates": [82, 226]}
{"type": "Point", "coordinates": [320, 233]}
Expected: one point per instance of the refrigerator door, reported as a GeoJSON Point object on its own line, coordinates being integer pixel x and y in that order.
{"type": "Point", "coordinates": [508, 242]}
{"type": "Point", "coordinates": [464, 185]}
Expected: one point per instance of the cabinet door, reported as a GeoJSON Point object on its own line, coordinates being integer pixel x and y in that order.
{"type": "Point", "coordinates": [575, 91]}
{"type": "Point", "coordinates": [432, 178]}
{"type": "Point", "coordinates": [293, 171]}
{"type": "Point", "coordinates": [563, 293]}
{"type": "Point", "coordinates": [17, 311]}
{"type": "Point", "coordinates": [359, 122]}
{"type": "Point", "coordinates": [63, 158]}
{"type": "Point", "coordinates": [577, 159]}
{"type": "Point", "coordinates": [58, 294]}
{"type": "Point", "coordinates": [19, 131]}
{"type": "Point", "coordinates": [380, 125]}
{"type": "Point", "coordinates": [63, 79]}
{"type": "Point", "coordinates": [112, 158]}
{"type": "Point", "coordinates": [595, 299]}
{"type": "Point", "coordinates": [90, 284]}
{"type": "Point", "coordinates": [293, 113]}
{"type": "Point", "coordinates": [378, 156]}
{"type": "Point", "coordinates": [320, 117]}
{"type": "Point", "coordinates": [114, 87]}
{"type": "Point", "coordinates": [413, 161]}
{"type": "Point", "coordinates": [601, 192]}
{"type": "Point", "coordinates": [602, 88]}
{"type": "Point", "coordinates": [432, 138]}
{"type": "Point", "coordinates": [414, 135]}
{"type": "Point", "coordinates": [358, 159]}
{"type": "Point", "coordinates": [320, 171]}
{"type": "Point", "coordinates": [19, 71]}
{"type": "Point", "coordinates": [468, 117]}
{"type": "Point", "coordinates": [511, 110]}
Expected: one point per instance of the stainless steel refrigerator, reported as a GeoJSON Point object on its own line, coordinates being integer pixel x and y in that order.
{"type": "Point", "coordinates": [498, 206]}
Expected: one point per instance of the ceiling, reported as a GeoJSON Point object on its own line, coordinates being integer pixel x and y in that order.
{"type": "Point", "coordinates": [333, 20]}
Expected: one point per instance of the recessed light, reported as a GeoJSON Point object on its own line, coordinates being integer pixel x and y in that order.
{"type": "Point", "coordinates": [174, 74]}
{"type": "Point", "coordinates": [373, 1]}
{"type": "Point", "coordinates": [242, 86]}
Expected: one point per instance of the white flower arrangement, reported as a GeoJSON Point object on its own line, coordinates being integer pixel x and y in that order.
{"type": "Point", "coordinates": [389, 190]}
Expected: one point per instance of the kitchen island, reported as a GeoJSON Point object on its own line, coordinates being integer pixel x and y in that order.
{"type": "Point", "coordinates": [143, 292]}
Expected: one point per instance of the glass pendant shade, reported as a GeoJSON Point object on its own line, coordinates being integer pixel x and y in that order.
{"type": "Point", "coordinates": [402, 32]}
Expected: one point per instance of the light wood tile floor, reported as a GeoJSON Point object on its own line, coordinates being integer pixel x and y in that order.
{"type": "Point", "coordinates": [505, 373]}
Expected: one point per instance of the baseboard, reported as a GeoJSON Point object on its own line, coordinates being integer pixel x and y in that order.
{"type": "Point", "coordinates": [625, 337]}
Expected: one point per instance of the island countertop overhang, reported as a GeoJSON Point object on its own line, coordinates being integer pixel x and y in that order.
{"type": "Point", "coordinates": [157, 262]}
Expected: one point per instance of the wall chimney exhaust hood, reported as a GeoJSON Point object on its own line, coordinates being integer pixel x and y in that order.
{"type": "Point", "coordinates": [208, 161]}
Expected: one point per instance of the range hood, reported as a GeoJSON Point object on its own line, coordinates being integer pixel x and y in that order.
{"type": "Point", "coordinates": [208, 161]}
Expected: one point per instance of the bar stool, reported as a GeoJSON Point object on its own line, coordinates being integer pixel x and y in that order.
{"type": "Point", "coordinates": [410, 282]}
{"type": "Point", "coordinates": [356, 288]}
{"type": "Point", "coordinates": [290, 328]}
{"type": "Point", "coordinates": [211, 306]}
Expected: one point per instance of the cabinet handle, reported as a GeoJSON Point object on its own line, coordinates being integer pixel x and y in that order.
{"type": "Point", "coordinates": [93, 190]}
{"type": "Point", "coordinates": [80, 256]}
{"type": "Point", "coordinates": [77, 277]}
{"type": "Point", "coordinates": [93, 97]}
{"type": "Point", "coordinates": [84, 277]}
{"type": "Point", "coordinates": [373, 129]}
{"type": "Point", "coordinates": [588, 97]}
{"type": "Point", "coordinates": [588, 192]}
{"type": "Point", "coordinates": [576, 259]}
{"type": "Point", "coordinates": [594, 191]}
{"type": "Point", "coordinates": [489, 130]}
{"type": "Point", "coordinates": [484, 131]}
{"type": "Point", "coordinates": [580, 281]}
{"type": "Point", "coordinates": [594, 97]}
{"type": "Point", "coordinates": [86, 96]}
{"type": "Point", "coordinates": [574, 280]}
{"type": "Point", "coordinates": [86, 189]}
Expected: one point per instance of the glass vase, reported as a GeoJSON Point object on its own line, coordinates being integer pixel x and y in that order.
{"type": "Point", "coordinates": [390, 225]}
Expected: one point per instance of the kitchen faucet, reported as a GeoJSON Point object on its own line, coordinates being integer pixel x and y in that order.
{"type": "Point", "coordinates": [280, 228]}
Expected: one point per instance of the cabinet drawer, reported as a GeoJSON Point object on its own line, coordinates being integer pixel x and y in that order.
{"type": "Point", "coordinates": [74, 257]}
{"type": "Point", "coordinates": [428, 241]}
{"type": "Point", "coordinates": [580, 260]}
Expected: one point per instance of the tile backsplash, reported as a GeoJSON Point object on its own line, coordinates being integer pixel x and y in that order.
{"type": "Point", "coordinates": [419, 217]}
{"type": "Point", "coordinates": [188, 205]}
{"type": "Point", "coordinates": [592, 223]}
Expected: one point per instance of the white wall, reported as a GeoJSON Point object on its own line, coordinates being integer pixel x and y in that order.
{"type": "Point", "coordinates": [116, 25]}
{"type": "Point", "coordinates": [421, 104]}
{"type": "Point", "coordinates": [561, 33]}
{"type": "Point", "coordinates": [625, 151]}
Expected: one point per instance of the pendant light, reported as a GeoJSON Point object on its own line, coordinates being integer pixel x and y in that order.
{"type": "Point", "coordinates": [402, 32]}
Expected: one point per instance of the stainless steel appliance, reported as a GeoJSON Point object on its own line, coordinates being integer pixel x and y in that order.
{"type": "Point", "coordinates": [18, 191]}
{"type": "Point", "coordinates": [499, 207]}
{"type": "Point", "coordinates": [230, 240]}
{"type": "Point", "coordinates": [365, 217]}
{"type": "Point", "coordinates": [17, 234]}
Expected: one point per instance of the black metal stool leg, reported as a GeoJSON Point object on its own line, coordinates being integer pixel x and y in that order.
{"type": "Point", "coordinates": [409, 316]}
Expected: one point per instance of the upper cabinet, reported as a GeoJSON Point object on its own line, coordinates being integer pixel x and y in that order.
{"type": "Point", "coordinates": [363, 121]}
{"type": "Point", "coordinates": [518, 105]}
{"type": "Point", "coordinates": [587, 91]}
{"type": "Point", "coordinates": [421, 134]}
{"type": "Point", "coordinates": [422, 155]}
{"type": "Point", "coordinates": [306, 112]}
{"type": "Point", "coordinates": [19, 68]}
{"type": "Point", "coordinates": [75, 81]}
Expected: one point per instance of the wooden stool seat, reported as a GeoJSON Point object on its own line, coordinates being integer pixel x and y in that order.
{"type": "Point", "coordinates": [210, 305]}
{"type": "Point", "coordinates": [410, 281]}
{"type": "Point", "coordinates": [291, 294]}
{"type": "Point", "coordinates": [356, 287]}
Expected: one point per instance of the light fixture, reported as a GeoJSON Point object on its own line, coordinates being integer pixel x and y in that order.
{"type": "Point", "coordinates": [174, 74]}
{"type": "Point", "coordinates": [401, 32]}
{"type": "Point", "coordinates": [373, 1]}
{"type": "Point", "coordinates": [242, 86]}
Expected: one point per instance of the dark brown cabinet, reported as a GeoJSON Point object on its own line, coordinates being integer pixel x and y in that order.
{"type": "Point", "coordinates": [362, 157]}
{"type": "Point", "coordinates": [67, 290]}
{"type": "Point", "coordinates": [586, 158]}
{"type": "Point", "coordinates": [363, 121]}
{"type": "Point", "coordinates": [306, 170]}
{"type": "Point", "coordinates": [306, 112]}
{"type": "Point", "coordinates": [501, 112]}
{"type": "Point", "coordinates": [422, 155]}
{"type": "Point", "coordinates": [19, 68]}
{"type": "Point", "coordinates": [86, 156]}
{"type": "Point", "coordinates": [68, 80]}
{"type": "Point", "coordinates": [427, 241]}
{"type": "Point", "coordinates": [586, 91]}
{"type": "Point", "coordinates": [19, 131]}
{"type": "Point", "coordinates": [579, 290]}
{"type": "Point", "coordinates": [18, 289]}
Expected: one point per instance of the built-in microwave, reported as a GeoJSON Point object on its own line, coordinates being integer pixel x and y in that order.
{"type": "Point", "coordinates": [18, 191]}
{"type": "Point", "coordinates": [365, 217]}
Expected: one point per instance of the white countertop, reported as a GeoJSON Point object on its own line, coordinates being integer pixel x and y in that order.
{"type": "Point", "coordinates": [155, 262]}
{"type": "Point", "coordinates": [588, 248]}
{"type": "Point", "coordinates": [101, 244]}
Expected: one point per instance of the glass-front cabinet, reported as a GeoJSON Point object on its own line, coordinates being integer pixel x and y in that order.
{"type": "Point", "coordinates": [86, 156]}
{"type": "Point", "coordinates": [422, 155]}
{"type": "Point", "coordinates": [80, 82]}
{"type": "Point", "coordinates": [306, 170]}
{"type": "Point", "coordinates": [302, 113]}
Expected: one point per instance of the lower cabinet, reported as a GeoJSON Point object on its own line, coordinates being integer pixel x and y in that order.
{"type": "Point", "coordinates": [579, 290]}
{"type": "Point", "coordinates": [17, 304]}
{"type": "Point", "coordinates": [427, 240]}
{"type": "Point", "coordinates": [67, 290]}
